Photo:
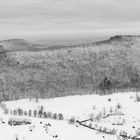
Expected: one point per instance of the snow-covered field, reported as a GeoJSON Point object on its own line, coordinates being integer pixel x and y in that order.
{"type": "Point", "coordinates": [119, 111]}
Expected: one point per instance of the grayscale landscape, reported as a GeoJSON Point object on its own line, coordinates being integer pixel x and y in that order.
{"type": "Point", "coordinates": [69, 70]}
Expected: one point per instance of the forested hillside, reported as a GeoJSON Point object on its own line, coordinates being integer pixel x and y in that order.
{"type": "Point", "coordinates": [81, 69]}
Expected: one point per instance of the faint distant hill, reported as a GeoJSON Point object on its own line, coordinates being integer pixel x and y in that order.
{"type": "Point", "coordinates": [38, 70]}
{"type": "Point", "coordinates": [16, 45]}
{"type": "Point", "coordinates": [23, 45]}
{"type": "Point", "coordinates": [125, 40]}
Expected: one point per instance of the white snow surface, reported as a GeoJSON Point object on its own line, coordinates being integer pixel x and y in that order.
{"type": "Point", "coordinates": [79, 106]}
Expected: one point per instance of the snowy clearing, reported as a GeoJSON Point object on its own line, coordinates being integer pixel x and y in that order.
{"type": "Point", "coordinates": [113, 115]}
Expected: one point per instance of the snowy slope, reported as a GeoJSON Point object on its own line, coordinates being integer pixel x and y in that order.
{"type": "Point", "coordinates": [79, 106]}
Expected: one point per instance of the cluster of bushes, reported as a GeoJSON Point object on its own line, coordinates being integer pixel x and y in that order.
{"type": "Point", "coordinates": [54, 116]}
{"type": "Point", "coordinates": [35, 113]}
{"type": "Point", "coordinates": [99, 128]}
{"type": "Point", "coordinates": [137, 96]}
{"type": "Point", "coordinates": [125, 134]}
{"type": "Point", "coordinates": [111, 131]}
{"type": "Point", "coordinates": [107, 87]}
{"type": "Point", "coordinates": [105, 114]}
{"type": "Point", "coordinates": [3, 106]}
{"type": "Point", "coordinates": [72, 120]}
{"type": "Point", "coordinates": [19, 121]}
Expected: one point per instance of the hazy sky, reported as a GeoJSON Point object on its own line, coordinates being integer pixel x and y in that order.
{"type": "Point", "coordinates": [36, 19]}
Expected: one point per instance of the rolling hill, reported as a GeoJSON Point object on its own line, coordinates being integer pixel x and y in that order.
{"type": "Point", "coordinates": [12, 45]}
{"type": "Point", "coordinates": [97, 67]}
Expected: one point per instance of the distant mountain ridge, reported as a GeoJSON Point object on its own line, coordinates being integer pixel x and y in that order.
{"type": "Point", "coordinates": [23, 45]}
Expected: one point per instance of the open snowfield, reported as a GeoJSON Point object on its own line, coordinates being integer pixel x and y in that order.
{"type": "Point", "coordinates": [82, 108]}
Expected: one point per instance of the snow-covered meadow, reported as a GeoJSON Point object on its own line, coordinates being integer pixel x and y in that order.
{"type": "Point", "coordinates": [118, 112]}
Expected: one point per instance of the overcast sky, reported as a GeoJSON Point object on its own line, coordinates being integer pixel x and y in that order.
{"type": "Point", "coordinates": [36, 19]}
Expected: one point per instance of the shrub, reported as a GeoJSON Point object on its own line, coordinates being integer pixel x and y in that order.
{"type": "Point", "coordinates": [96, 126]}
{"type": "Point", "coordinates": [25, 113]}
{"type": "Point", "coordinates": [123, 133]}
{"type": "Point", "coordinates": [45, 115]}
{"type": "Point", "coordinates": [72, 120]}
{"type": "Point", "coordinates": [3, 106]}
{"type": "Point", "coordinates": [30, 113]}
{"type": "Point", "coordinates": [20, 111]}
{"type": "Point", "coordinates": [15, 112]}
{"type": "Point", "coordinates": [49, 114]}
{"type": "Point", "coordinates": [35, 113]}
{"type": "Point", "coordinates": [118, 106]}
{"type": "Point", "coordinates": [100, 128]}
{"type": "Point", "coordinates": [137, 96]}
{"type": "Point", "coordinates": [90, 125]}
{"type": "Point", "coordinates": [16, 136]}
{"type": "Point", "coordinates": [111, 110]}
{"type": "Point", "coordinates": [105, 129]}
{"type": "Point", "coordinates": [109, 99]}
{"type": "Point", "coordinates": [6, 111]}
{"type": "Point", "coordinates": [40, 112]}
{"type": "Point", "coordinates": [41, 108]}
{"type": "Point", "coordinates": [91, 116]}
{"type": "Point", "coordinates": [18, 121]}
{"type": "Point", "coordinates": [98, 116]}
{"type": "Point", "coordinates": [54, 116]}
{"type": "Point", "coordinates": [114, 131]}
{"type": "Point", "coordinates": [36, 99]}
{"type": "Point", "coordinates": [60, 116]}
